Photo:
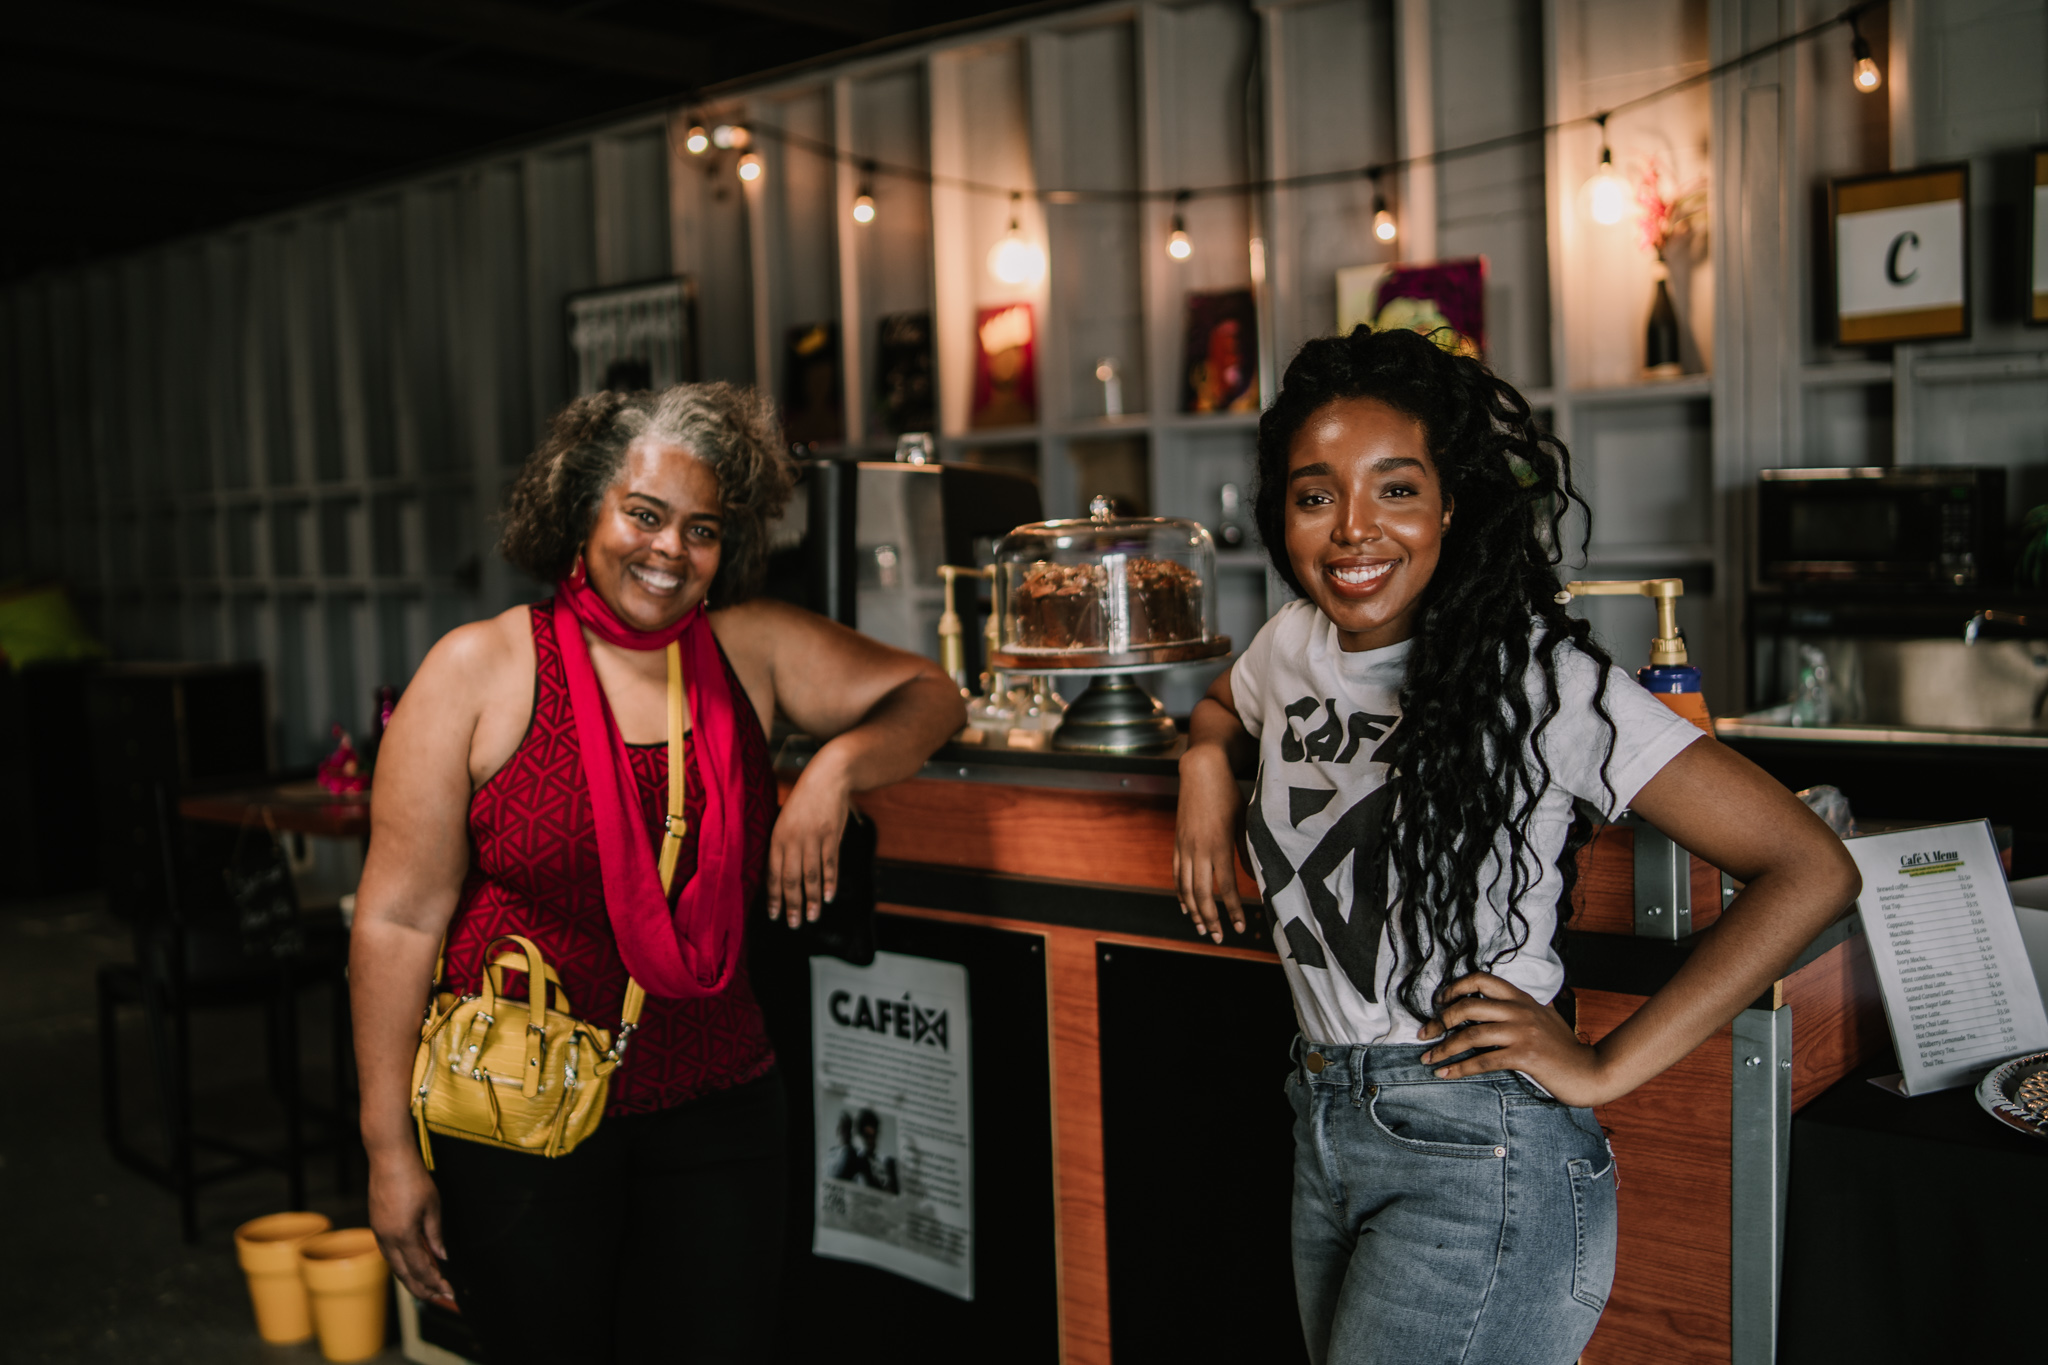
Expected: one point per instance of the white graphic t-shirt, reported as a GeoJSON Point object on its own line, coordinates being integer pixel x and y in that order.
{"type": "Point", "coordinates": [1320, 716]}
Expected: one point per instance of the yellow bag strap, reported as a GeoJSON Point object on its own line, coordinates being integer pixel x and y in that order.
{"type": "Point", "coordinates": [674, 826]}
{"type": "Point", "coordinates": [537, 975]}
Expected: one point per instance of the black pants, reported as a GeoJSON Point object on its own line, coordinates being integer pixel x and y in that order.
{"type": "Point", "coordinates": [657, 1239]}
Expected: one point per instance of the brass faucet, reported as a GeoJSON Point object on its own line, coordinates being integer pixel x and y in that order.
{"type": "Point", "coordinates": [952, 641]}
{"type": "Point", "coordinates": [1668, 645]}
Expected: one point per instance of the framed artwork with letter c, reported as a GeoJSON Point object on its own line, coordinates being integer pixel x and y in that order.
{"type": "Point", "coordinates": [1902, 256]}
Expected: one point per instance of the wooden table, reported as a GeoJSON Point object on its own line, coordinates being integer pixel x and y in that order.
{"type": "Point", "coordinates": [300, 807]}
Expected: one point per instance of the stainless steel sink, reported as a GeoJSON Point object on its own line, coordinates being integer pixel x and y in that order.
{"type": "Point", "coordinates": [1937, 684]}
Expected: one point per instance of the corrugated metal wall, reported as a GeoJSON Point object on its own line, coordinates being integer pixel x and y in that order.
{"type": "Point", "coordinates": [287, 441]}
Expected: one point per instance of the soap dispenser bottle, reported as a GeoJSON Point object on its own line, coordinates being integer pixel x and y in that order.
{"type": "Point", "coordinates": [1669, 676]}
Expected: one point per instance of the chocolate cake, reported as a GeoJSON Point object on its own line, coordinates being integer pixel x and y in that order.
{"type": "Point", "coordinates": [1064, 606]}
{"type": "Point", "coordinates": [1166, 602]}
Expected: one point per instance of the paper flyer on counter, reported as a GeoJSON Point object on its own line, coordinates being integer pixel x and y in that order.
{"type": "Point", "coordinates": [895, 1139]}
{"type": "Point", "coordinates": [1957, 986]}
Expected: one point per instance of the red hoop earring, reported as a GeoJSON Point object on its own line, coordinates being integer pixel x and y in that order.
{"type": "Point", "coordinates": [577, 573]}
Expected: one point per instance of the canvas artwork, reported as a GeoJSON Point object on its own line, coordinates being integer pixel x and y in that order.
{"type": "Point", "coordinates": [1443, 299]}
{"type": "Point", "coordinates": [903, 373]}
{"type": "Point", "coordinates": [1005, 367]}
{"type": "Point", "coordinates": [1221, 370]}
{"type": "Point", "coordinates": [1902, 256]}
{"type": "Point", "coordinates": [636, 336]}
{"type": "Point", "coordinates": [812, 406]}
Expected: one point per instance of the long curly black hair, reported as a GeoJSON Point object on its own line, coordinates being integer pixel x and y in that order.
{"type": "Point", "coordinates": [1465, 756]}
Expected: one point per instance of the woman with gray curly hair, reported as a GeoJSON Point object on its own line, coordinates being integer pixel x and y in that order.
{"type": "Point", "coordinates": [522, 788]}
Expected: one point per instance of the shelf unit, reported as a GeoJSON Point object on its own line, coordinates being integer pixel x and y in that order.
{"type": "Point", "coordinates": [1799, 400]}
{"type": "Point", "coordinates": [1159, 97]}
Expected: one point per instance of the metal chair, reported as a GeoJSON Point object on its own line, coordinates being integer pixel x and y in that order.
{"type": "Point", "coordinates": [248, 949]}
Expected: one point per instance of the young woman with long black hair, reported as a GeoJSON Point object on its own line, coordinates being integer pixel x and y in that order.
{"type": "Point", "coordinates": [1427, 719]}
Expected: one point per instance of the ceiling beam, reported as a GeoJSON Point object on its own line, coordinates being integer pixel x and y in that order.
{"type": "Point", "coordinates": [76, 156]}
{"type": "Point", "coordinates": [507, 27]}
{"type": "Point", "coordinates": [77, 97]}
{"type": "Point", "coordinates": [146, 39]}
{"type": "Point", "coordinates": [859, 18]}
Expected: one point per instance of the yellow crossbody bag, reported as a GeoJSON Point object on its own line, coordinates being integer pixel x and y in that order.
{"type": "Point", "coordinates": [536, 1081]}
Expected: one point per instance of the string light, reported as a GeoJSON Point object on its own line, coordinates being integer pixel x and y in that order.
{"type": "Point", "coordinates": [1383, 225]}
{"type": "Point", "coordinates": [1014, 260]}
{"type": "Point", "coordinates": [1606, 192]}
{"type": "Point", "coordinates": [864, 200]}
{"type": "Point", "coordinates": [698, 140]}
{"type": "Point", "coordinates": [750, 167]}
{"type": "Point", "coordinates": [1868, 77]}
{"type": "Point", "coordinates": [1612, 194]}
{"type": "Point", "coordinates": [1177, 244]}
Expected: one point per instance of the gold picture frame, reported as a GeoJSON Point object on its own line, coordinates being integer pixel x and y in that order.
{"type": "Point", "coordinates": [1901, 255]}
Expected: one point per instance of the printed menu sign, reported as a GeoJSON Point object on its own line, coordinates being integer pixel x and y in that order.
{"type": "Point", "coordinates": [1957, 986]}
{"type": "Point", "coordinates": [895, 1182]}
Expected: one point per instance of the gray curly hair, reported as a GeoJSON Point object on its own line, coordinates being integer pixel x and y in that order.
{"type": "Point", "coordinates": [553, 504]}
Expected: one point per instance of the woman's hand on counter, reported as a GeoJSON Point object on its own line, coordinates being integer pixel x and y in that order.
{"type": "Point", "coordinates": [1210, 814]}
{"type": "Point", "coordinates": [803, 853]}
{"type": "Point", "coordinates": [1524, 1036]}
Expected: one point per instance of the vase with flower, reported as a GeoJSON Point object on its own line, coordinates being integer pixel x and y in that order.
{"type": "Point", "coordinates": [1664, 219]}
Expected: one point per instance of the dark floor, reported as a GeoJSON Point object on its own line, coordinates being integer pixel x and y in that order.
{"type": "Point", "coordinates": [93, 1268]}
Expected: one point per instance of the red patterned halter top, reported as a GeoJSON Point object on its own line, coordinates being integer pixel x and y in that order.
{"type": "Point", "coordinates": [533, 870]}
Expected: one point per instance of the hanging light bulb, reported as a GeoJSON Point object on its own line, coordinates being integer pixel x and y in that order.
{"type": "Point", "coordinates": [1014, 260]}
{"type": "Point", "coordinates": [1383, 225]}
{"type": "Point", "coordinates": [1177, 244]}
{"type": "Point", "coordinates": [728, 137]}
{"type": "Point", "coordinates": [698, 140]}
{"type": "Point", "coordinates": [1606, 192]}
{"type": "Point", "coordinates": [750, 167]}
{"type": "Point", "coordinates": [1868, 77]}
{"type": "Point", "coordinates": [864, 201]}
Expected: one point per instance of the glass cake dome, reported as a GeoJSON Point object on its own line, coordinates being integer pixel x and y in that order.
{"type": "Point", "coordinates": [1105, 592]}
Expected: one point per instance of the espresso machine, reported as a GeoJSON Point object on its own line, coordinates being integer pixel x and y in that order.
{"type": "Point", "coordinates": [862, 541]}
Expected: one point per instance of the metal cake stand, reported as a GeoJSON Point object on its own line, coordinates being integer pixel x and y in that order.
{"type": "Point", "coordinates": [1115, 715]}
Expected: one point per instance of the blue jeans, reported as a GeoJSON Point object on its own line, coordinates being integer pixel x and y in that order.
{"type": "Point", "coordinates": [1436, 1222]}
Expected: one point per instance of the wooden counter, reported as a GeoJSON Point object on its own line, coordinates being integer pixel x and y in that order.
{"type": "Point", "coordinates": [1080, 855]}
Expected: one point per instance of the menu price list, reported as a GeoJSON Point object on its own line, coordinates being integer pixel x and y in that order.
{"type": "Point", "coordinates": [1957, 986]}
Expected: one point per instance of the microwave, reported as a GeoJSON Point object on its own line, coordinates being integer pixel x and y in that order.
{"type": "Point", "coordinates": [1937, 526]}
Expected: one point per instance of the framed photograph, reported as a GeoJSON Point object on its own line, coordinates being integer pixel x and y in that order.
{"type": "Point", "coordinates": [1221, 372]}
{"type": "Point", "coordinates": [904, 396]}
{"type": "Point", "coordinates": [813, 404]}
{"type": "Point", "coordinates": [1902, 256]}
{"type": "Point", "coordinates": [2037, 270]}
{"type": "Point", "coordinates": [1441, 299]}
{"type": "Point", "coordinates": [1005, 367]}
{"type": "Point", "coordinates": [633, 336]}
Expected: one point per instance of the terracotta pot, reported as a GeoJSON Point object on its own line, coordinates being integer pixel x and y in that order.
{"type": "Point", "coordinates": [268, 1249]}
{"type": "Point", "coordinates": [347, 1278]}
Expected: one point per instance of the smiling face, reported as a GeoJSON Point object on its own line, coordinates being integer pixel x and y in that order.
{"type": "Point", "coordinates": [655, 546]}
{"type": "Point", "coordinates": [1366, 514]}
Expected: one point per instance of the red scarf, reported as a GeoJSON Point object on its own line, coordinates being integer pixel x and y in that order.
{"type": "Point", "coordinates": [694, 949]}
